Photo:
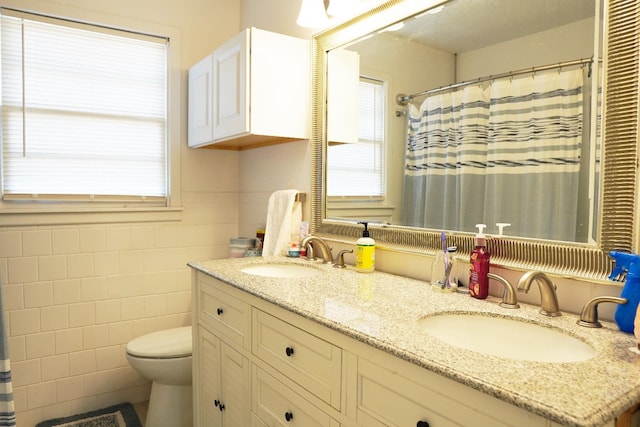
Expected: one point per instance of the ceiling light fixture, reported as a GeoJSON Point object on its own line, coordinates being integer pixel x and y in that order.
{"type": "Point", "coordinates": [343, 8]}
{"type": "Point", "coordinates": [312, 14]}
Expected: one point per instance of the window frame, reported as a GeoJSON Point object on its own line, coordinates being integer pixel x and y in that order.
{"type": "Point", "coordinates": [367, 198]}
{"type": "Point", "coordinates": [29, 212]}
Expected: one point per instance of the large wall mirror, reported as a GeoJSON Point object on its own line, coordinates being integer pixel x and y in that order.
{"type": "Point", "coordinates": [459, 112]}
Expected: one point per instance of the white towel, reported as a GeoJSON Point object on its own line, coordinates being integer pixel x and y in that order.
{"type": "Point", "coordinates": [284, 215]}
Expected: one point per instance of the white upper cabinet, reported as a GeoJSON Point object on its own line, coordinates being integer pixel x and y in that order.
{"type": "Point", "coordinates": [253, 90]}
{"type": "Point", "coordinates": [343, 85]}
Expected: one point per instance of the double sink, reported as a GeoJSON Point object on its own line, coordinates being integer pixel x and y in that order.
{"type": "Point", "coordinates": [508, 337]}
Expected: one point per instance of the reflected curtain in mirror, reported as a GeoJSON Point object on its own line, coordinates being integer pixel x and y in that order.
{"type": "Point", "coordinates": [479, 154]}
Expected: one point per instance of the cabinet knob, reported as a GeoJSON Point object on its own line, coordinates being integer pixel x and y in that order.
{"type": "Point", "coordinates": [219, 311]}
{"type": "Point", "coordinates": [288, 416]}
{"type": "Point", "coordinates": [422, 424]}
{"type": "Point", "coordinates": [289, 351]}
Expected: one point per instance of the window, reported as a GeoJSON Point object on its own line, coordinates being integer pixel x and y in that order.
{"type": "Point", "coordinates": [84, 112]}
{"type": "Point", "coordinates": [358, 170]}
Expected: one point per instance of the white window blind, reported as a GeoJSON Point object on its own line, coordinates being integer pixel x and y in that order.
{"type": "Point", "coordinates": [83, 111]}
{"type": "Point", "coordinates": [357, 170]}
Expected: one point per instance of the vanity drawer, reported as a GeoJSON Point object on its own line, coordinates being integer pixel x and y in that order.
{"type": "Point", "coordinates": [226, 315]}
{"type": "Point", "coordinates": [313, 363]}
{"type": "Point", "coordinates": [277, 405]}
{"type": "Point", "coordinates": [402, 398]}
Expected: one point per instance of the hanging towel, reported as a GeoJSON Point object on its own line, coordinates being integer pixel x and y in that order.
{"type": "Point", "coordinates": [284, 215]}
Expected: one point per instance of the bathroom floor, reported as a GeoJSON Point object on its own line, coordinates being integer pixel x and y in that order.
{"type": "Point", "coordinates": [141, 410]}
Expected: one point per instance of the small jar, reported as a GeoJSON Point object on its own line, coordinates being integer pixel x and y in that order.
{"type": "Point", "coordinates": [294, 250]}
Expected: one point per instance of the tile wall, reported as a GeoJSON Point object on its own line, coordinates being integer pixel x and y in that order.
{"type": "Point", "coordinates": [75, 295]}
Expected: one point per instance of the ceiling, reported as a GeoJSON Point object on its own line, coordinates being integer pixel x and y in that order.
{"type": "Point", "coordinates": [464, 25]}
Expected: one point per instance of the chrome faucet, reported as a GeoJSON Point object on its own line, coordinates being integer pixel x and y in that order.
{"type": "Point", "coordinates": [548, 299]}
{"type": "Point", "coordinates": [320, 246]}
{"type": "Point", "coordinates": [589, 315]}
{"type": "Point", "coordinates": [509, 299]}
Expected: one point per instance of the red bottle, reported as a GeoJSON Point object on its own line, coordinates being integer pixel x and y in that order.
{"type": "Point", "coordinates": [479, 270]}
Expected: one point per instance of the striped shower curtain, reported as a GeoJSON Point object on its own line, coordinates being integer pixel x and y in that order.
{"type": "Point", "coordinates": [7, 410]}
{"type": "Point", "coordinates": [509, 152]}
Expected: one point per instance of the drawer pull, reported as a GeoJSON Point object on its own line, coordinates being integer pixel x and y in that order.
{"type": "Point", "coordinates": [422, 424]}
{"type": "Point", "coordinates": [219, 405]}
{"type": "Point", "coordinates": [289, 416]}
{"type": "Point", "coordinates": [289, 351]}
{"type": "Point", "coordinates": [219, 311]}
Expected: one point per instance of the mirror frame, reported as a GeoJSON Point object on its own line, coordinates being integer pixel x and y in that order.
{"type": "Point", "coordinates": [617, 222]}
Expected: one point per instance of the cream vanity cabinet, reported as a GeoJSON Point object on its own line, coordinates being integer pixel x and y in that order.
{"type": "Point", "coordinates": [253, 90]}
{"type": "Point", "coordinates": [271, 367]}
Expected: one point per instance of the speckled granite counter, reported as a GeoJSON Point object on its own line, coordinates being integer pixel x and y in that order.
{"type": "Point", "coordinates": [382, 310]}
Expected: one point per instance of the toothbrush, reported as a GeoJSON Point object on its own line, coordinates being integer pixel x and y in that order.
{"type": "Point", "coordinates": [445, 258]}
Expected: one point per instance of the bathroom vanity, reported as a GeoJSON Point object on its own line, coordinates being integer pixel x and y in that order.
{"type": "Point", "coordinates": [281, 341]}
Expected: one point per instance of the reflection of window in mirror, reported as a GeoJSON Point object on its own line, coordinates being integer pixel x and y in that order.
{"type": "Point", "coordinates": [357, 170]}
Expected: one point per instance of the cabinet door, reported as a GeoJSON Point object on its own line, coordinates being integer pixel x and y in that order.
{"type": "Point", "coordinates": [236, 387]}
{"type": "Point", "coordinates": [208, 380]}
{"type": "Point", "coordinates": [200, 128]}
{"type": "Point", "coordinates": [223, 383]}
{"type": "Point", "coordinates": [230, 94]}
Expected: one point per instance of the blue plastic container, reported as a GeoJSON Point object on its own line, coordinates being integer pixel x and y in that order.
{"type": "Point", "coordinates": [629, 264]}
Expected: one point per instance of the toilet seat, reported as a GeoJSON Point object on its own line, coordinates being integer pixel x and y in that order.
{"type": "Point", "coordinates": [166, 344]}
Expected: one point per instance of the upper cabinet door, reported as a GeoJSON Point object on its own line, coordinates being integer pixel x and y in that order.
{"type": "Point", "coordinates": [256, 92]}
{"type": "Point", "coordinates": [201, 103]}
{"type": "Point", "coordinates": [230, 92]}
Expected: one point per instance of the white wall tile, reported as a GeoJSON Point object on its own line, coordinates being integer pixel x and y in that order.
{"type": "Point", "coordinates": [132, 308]}
{"type": "Point", "coordinates": [155, 305]}
{"type": "Point", "coordinates": [40, 345]}
{"type": "Point", "coordinates": [25, 372]}
{"type": "Point", "coordinates": [25, 321]}
{"type": "Point", "coordinates": [95, 336]}
{"type": "Point", "coordinates": [107, 311]}
{"type": "Point", "coordinates": [82, 362]}
{"type": "Point", "coordinates": [120, 333]}
{"type": "Point", "coordinates": [12, 297]}
{"type": "Point", "coordinates": [118, 238]}
{"type": "Point", "coordinates": [132, 261]}
{"type": "Point", "coordinates": [69, 388]}
{"type": "Point", "coordinates": [67, 291]}
{"type": "Point", "coordinates": [108, 358]}
{"type": "Point", "coordinates": [65, 241]}
{"type": "Point", "coordinates": [55, 367]}
{"type": "Point", "coordinates": [68, 340]}
{"type": "Point", "coordinates": [142, 237]}
{"type": "Point", "coordinates": [54, 318]}
{"type": "Point", "coordinates": [82, 314]}
{"type": "Point", "coordinates": [36, 242]}
{"type": "Point", "coordinates": [17, 348]}
{"type": "Point", "coordinates": [106, 263]}
{"type": "Point", "coordinates": [80, 265]}
{"type": "Point", "coordinates": [38, 294]}
{"type": "Point", "coordinates": [93, 239]}
{"type": "Point", "coordinates": [23, 270]}
{"type": "Point", "coordinates": [10, 244]}
{"type": "Point", "coordinates": [52, 267]}
{"type": "Point", "coordinates": [93, 288]}
{"type": "Point", "coordinates": [41, 394]}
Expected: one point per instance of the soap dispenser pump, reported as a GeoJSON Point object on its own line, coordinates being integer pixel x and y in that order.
{"type": "Point", "coordinates": [479, 269]}
{"type": "Point", "coordinates": [365, 252]}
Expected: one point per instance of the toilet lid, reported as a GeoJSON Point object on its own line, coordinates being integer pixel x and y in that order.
{"type": "Point", "coordinates": [169, 343]}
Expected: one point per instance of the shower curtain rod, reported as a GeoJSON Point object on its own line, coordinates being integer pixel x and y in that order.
{"type": "Point", "coordinates": [403, 100]}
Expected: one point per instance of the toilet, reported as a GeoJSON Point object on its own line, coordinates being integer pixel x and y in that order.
{"type": "Point", "coordinates": [164, 357]}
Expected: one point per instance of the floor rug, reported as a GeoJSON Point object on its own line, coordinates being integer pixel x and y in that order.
{"type": "Point", "coordinates": [122, 415]}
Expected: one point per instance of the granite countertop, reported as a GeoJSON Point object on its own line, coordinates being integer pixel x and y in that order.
{"type": "Point", "coordinates": [383, 310]}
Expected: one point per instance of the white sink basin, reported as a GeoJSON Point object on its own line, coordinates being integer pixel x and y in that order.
{"type": "Point", "coordinates": [507, 338]}
{"type": "Point", "coordinates": [281, 270]}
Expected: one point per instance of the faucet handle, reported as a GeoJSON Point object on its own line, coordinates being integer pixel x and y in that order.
{"type": "Point", "coordinates": [509, 299]}
{"type": "Point", "coordinates": [589, 315]}
{"type": "Point", "coordinates": [340, 258]}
